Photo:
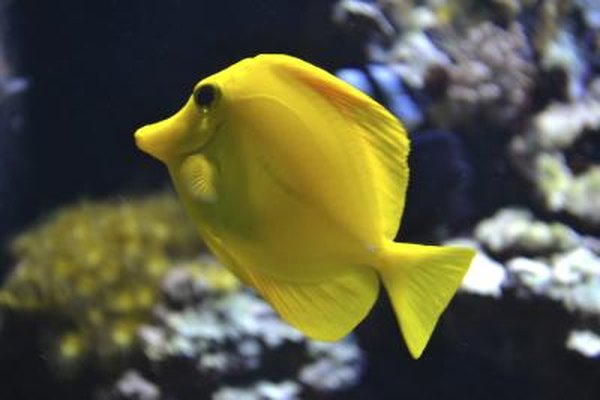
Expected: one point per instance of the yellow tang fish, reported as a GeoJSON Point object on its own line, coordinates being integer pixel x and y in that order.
{"type": "Point", "coordinates": [296, 181]}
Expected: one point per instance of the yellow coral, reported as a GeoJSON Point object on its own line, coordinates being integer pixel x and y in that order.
{"type": "Point", "coordinates": [71, 346]}
{"type": "Point", "coordinates": [97, 266]}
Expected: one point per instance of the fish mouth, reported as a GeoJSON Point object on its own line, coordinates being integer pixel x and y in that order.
{"type": "Point", "coordinates": [160, 139]}
{"type": "Point", "coordinates": [164, 139]}
{"type": "Point", "coordinates": [153, 142]}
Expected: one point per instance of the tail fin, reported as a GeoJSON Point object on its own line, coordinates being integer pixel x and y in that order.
{"type": "Point", "coordinates": [421, 281]}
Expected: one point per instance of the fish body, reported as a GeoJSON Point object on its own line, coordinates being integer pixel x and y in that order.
{"type": "Point", "coordinates": [296, 182]}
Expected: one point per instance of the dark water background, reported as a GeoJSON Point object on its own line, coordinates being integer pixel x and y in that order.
{"type": "Point", "coordinates": [100, 69]}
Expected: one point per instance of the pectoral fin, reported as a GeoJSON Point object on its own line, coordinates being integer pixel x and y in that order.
{"type": "Point", "coordinates": [199, 178]}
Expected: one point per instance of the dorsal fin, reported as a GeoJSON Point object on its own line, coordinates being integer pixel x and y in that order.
{"type": "Point", "coordinates": [383, 135]}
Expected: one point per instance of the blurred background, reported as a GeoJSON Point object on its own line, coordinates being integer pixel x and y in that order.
{"type": "Point", "coordinates": [107, 291]}
{"type": "Point", "coordinates": [95, 72]}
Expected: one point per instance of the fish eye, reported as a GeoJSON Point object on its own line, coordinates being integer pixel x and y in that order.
{"type": "Point", "coordinates": [205, 96]}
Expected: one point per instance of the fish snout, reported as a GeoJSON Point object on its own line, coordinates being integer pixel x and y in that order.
{"type": "Point", "coordinates": [158, 140]}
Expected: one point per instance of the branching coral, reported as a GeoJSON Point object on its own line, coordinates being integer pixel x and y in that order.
{"type": "Point", "coordinates": [359, 13]}
{"type": "Point", "coordinates": [94, 269]}
{"type": "Point", "coordinates": [489, 80]}
{"type": "Point", "coordinates": [547, 259]}
{"type": "Point", "coordinates": [544, 156]}
{"type": "Point", "coordinates": [233, 343]}
{"type": "Point", "coordinates": [516, 231]}
{"type": "Point", "coordinates": [476, 71]}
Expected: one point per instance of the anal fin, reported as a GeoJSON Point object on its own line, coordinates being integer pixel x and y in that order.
{"type": "Point", "coordinates": [327, 310]}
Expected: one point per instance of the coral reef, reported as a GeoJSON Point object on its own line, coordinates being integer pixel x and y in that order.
{"type": "Point", "coordinates": [515, 231]}
{"type": "Point", "coordinates": [287, 390]}
{"type": "Point", "coordinates": [364, 15]}
{"type": "Point", "coordinates": [591, 12]}
{"type": "Point", "coordinates": [132, 385]}
{"type": "Point", "coordinates": [230, 342]}
{"type": "Point", "coordinates": [413, 56]}
{"type": "Point", "coordinates": [194, 320]}
{"type": "Point", "coordinates": [547, 260]}
{"type": "Point", "coordinates": [561, 53]}
{"type": "Point", "coordinates": [551, 156]}
{"type": "Point", "coordinates": [489, 80]}
{"type": "Point", "coordinates": [585, 342]}
{"type": "Point", "coordinates": [94, 271]}
{"type": "Point", "coordinates": [470, 70]}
